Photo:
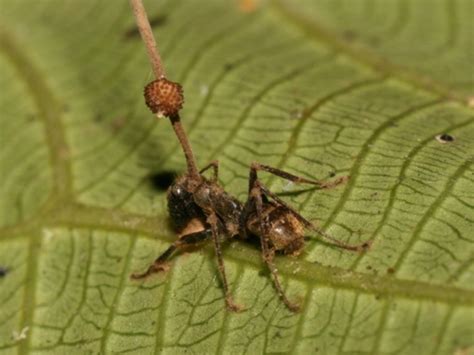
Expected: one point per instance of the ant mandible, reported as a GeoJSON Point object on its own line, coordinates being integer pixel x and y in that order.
{"type": "Point", "coordinates": [201, 209]}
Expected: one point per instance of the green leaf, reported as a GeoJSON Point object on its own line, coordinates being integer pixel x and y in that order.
{"type": "Point", "coordinates": [316, 88]}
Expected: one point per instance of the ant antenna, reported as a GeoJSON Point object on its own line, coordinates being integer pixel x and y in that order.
{"type": "Point", "coordinates": [163, 97]}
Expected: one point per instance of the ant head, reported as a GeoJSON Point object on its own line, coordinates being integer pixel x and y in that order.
{"type": "Point", "coordinates": [180, 189]}
{"type": "Point", "coordinates": [181, 205]}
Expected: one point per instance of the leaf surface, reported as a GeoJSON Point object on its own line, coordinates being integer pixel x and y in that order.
{"type": "Point", "coordinates": [319, 89]}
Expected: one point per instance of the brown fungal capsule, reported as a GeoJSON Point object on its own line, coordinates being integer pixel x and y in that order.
{"type": "Point", "coordinates": [164, 97]}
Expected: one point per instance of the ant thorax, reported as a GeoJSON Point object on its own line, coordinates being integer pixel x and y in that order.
{"type": "Point", "coordinates": [190, 197]}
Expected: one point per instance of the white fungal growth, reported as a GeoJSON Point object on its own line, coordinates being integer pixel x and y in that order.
{"type": "Point", "coordinates": [18, 336]}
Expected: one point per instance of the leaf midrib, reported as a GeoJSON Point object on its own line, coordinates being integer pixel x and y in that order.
{"type": "Point", "coordinates": [80, 216]}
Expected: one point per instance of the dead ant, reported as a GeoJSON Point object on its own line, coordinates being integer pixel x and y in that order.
{"type": "Point", "coordinates": [201, 209]}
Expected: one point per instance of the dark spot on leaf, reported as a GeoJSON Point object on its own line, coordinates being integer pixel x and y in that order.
{"type": "Point", "coordinates": [155, 21]}
{"type": "Point", "coordinates": [368, 267]}
{"type": "Point", "coordinates": [228, 66]}
{"type": "Point", "coordinates": [390, 270]}
{"type": "Point", "coordinates": [158, 20]}
{"type": "Point", "coordinates": [332, 174]}
{"type": "Point", "coordinates": [3, 271]}
{"type": "Point", "coordinates": [349, 35]}
{"type": "Point", "coordinates": [365, 246]}
{"type": "Point", "coordinates": [444, 138]}
{"type": "Point", "coordinates": [378, 297]}
{"type": "Point", "coordinates": [162, 180]}
{"type": "Point", "coordinates": [117, 123]}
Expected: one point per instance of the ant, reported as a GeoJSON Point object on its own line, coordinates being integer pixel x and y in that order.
{"type": "Point", "coordinates": [200, 209]}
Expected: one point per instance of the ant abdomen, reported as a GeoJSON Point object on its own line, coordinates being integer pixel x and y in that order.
{"type": "Point", "coordinates": [284, 231]}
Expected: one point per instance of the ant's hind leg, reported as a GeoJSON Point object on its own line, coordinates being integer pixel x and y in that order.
{"type": "Point", "coordinates": [215, 167]}
{"type": "Point", "coordinates": [298, 179]}
{"type": "Point", "coordinates": [160, 264]}
{"type": "Point", "coordinates": [333, 241]}
{"type": "Point", "coordinates": [268, 254]}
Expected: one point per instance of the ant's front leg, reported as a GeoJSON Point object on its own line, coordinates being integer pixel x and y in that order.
{"type": "Point", "coordinates": [187, 240]}
{"type": "Point", "coordinates": [215, 167]}
{"type": "Point", "coordinates": [213, 221]}
{"type": "Point", "coordinates": [256, 166]}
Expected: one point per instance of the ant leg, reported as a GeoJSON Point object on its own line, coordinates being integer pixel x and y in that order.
{"type": "Point", "coordinates": [253, 181]}
{"type": "Point", "coordinates": [352, 247]}
{"type": "Point", "coordinates": [298, 179]}
{"type": "Point", "coordinates": [185, 241]}
{"type": "Point", "coordinates": [358, 247]}
{"type": "Point", "coordinates": [215, 167]}
{"type": "Point", "coordinates": [268, 253]}
{"type": "Point", "coordinates": [231, 305]}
